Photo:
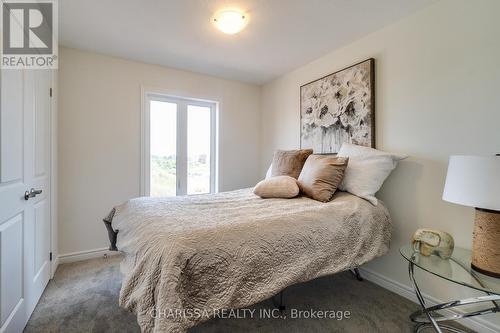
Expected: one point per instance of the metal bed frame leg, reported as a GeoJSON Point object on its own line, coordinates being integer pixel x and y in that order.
{"type": "Point", "coordinates": [355, 272]}
{"type": "Point", "coordinates": [279, 304]}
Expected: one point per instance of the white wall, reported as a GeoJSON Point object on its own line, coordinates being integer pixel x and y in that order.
{"type": "Point", "coordinates": [99, 136]}
{"type": "Point", "coordinates": [437, 94]}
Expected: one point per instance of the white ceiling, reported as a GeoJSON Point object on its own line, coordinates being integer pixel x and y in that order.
{"type": "Point", "coordinates": [281, 34]}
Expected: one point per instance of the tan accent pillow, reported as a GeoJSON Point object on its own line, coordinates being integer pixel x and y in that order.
{"type": "Point", "coordinates": [277, 187]}
{"type": "Point", "coordinates": [321, 176]}
{"type": "Point", "coordinates": [289, 162]}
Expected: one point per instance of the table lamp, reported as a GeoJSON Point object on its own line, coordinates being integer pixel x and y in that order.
{"type": "Point", "coordinates": [475, 181]}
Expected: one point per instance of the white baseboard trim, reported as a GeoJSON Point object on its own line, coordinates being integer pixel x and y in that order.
{"type": "Point", "coordinates": [55, 264]}
{"type": "Point", "coordinates": [84, 255]}
{"type": "Point", "coordinates": [477, 324]}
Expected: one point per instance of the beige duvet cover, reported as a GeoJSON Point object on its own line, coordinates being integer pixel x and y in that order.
{"type": "Point", "coordinates": [187, 257]}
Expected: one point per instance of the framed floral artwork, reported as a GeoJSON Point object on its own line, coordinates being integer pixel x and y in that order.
{"type": "Point", "coordinates": [338, 108]}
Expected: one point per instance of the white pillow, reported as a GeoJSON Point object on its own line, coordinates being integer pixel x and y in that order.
{"type": "Point", "coordinates": [277, 187]}
{"type": "Point", "coordinates": [268, 173]}
{"type": "Point", "coordinates": [367, 170]}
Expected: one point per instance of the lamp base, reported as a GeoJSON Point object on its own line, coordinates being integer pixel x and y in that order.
{"type": "Point", "coordinates": [482, 271]}
{"type": "Point", "coordinates": [486, 242]}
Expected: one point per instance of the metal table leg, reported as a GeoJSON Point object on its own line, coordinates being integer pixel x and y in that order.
{"type": "Point", "coordinates": [421, 300]}
{"type": "Point", "coordinates": [428, 317]}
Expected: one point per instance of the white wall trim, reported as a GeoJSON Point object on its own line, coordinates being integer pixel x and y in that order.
{"type": "Point", "coordinates": [477, 324]}
{"type": "Point", "coordinates": [55, 264]}
{"type": "Point", "coordinates": [142, 189]}
{"type": "Point", "coordinates": [53, 174]}
{"type": "Point", "coordinates": [84, 255]}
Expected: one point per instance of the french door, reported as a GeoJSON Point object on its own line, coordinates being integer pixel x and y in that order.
{"type": "Point", "coordinates": [25, 193]}
{"type": "Point", "coordinates": [179, 146]}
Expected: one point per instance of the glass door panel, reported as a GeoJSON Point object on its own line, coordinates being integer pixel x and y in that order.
{"type": "Point", "coordinates": [163, 149]}
{"type": "Point", "coordinates": [198, 149]}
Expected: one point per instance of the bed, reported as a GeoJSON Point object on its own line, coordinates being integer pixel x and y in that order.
{"type": "Point", "coordinates": [188, 257]}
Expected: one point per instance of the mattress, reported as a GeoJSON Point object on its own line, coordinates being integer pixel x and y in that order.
{"type": "Point", "coordinates": [187, 258]}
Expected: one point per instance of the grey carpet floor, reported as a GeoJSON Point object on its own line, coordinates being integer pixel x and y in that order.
{"type": "Point", "coordinates": [83, 297]}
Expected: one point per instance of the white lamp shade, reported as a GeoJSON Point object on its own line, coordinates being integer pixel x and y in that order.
{"type": "Point", "coordinates": [473, 181]}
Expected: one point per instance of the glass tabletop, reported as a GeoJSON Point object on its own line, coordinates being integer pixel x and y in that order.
{"type": "Point", "coordinates": [456, 269]}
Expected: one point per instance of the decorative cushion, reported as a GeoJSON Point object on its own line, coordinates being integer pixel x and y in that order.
{"type": "Point", "coordinates": [289, 162]}
{"type": "Point", "coordinates": [277, 187]}
{"type": "Point", "coordinates": [268, 172]}
{"type": "Point", "coordinates": [367, 170]}
{"type": "Point", "coordinates": [321, 176]}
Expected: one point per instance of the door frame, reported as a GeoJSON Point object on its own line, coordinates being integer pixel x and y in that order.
{"type": "Point", "coordinates": [175, 97]}
{"type": "Point", "coordinates": [53, 175]}
{"type": "Point", "coordinates": [53, 179]}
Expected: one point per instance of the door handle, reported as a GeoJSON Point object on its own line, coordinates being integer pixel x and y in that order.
{"type": "Point", "coordinates": [31, 193]}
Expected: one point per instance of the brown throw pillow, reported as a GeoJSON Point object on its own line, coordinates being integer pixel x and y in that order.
{"type": "Point", "coordinates": [277, 187]}
{"type": "Point", "coordinates": [321, 175]}
{"type": "Point", "coordinates": [289, 162]}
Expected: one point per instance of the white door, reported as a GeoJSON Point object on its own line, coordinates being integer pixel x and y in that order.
{"type": "Point", "coordinates": [25, 132]}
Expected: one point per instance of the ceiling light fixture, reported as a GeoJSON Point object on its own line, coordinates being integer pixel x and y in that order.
{"type": "Point", "coordinates": [230, 21]}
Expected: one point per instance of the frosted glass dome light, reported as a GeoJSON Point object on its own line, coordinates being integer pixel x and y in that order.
{"type": "Point", "coordinates": [230, 21]}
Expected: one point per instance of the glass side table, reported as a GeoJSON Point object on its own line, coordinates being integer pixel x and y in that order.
{"type": "Point", "coordinates": [457, 270]}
